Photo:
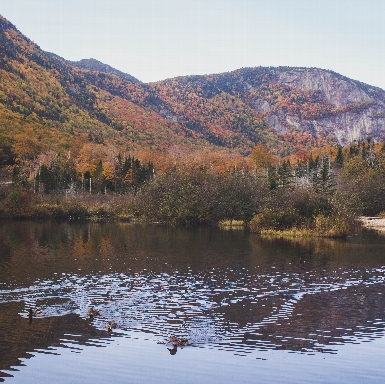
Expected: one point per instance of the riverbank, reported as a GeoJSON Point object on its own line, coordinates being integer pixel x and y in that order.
{"type": "Point", "coordinates": [373, 222]}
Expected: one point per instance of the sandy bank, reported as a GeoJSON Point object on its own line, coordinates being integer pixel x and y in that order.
{"type": "Point", "coordinates": [373, 222]}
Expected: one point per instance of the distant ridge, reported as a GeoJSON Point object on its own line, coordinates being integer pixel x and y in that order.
{"type": "Point", "coordinates": [95, 65]}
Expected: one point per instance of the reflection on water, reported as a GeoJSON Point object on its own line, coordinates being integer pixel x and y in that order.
{"type": "Point", "coordinates": [229, 291]}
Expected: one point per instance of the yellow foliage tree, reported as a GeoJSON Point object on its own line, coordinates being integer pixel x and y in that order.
{"type": "Point", "coordinates": [262, 158]}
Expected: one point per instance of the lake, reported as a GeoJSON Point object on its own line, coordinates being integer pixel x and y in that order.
{"type": "Point", "coordinates": [253, 309]}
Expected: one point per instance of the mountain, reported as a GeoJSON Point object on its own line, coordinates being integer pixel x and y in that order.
{"type": "Point", "coordinates": [306, 104]}
{"type": "Point", "coordinates": [50, 104]}
{"type": "Point", "coordinates": [95, 65]}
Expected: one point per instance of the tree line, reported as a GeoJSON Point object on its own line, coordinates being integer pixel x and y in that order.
{"type": "Point", "coordinates": [321, 192]}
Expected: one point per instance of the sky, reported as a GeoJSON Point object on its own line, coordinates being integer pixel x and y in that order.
{"type": "Point", "coordinates": [157, 39]}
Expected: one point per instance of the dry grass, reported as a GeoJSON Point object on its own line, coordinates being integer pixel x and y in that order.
{"type": "Point", "coordinates": [231, 224]}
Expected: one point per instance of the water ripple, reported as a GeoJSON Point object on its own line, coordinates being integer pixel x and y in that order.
{"type": "Point", "coordinates": [229, 309]}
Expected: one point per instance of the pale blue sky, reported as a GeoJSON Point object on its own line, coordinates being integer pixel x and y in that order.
{"type": "Point", "coordinates": [157, 39]}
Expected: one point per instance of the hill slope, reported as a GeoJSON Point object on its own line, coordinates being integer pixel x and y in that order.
{"type": "Point", "coordinates": [305, 105]}
{"type": "Point", "coordinates": [48, 103]}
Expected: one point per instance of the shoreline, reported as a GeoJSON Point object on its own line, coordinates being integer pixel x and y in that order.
{"type": "Point", "coordinates": [369, 222]}
{"type": "Point", "coordinates": [373, 222]}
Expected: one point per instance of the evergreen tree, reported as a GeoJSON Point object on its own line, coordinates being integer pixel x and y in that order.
{"type": "Point", "coordinates": [47, 178]}
{"type": "Point", "coordinates": [339, 160]}
{"type": "Point", "coordinates": [364, 151]}
{"type": "Point", "coordinates": [300, 169]}
{"type": "Point", "coordinates": [15, 175]}
{"type": "Point", "coordinates": [371, 157]}
{"type": "Point", "coordinates": [285, 175]}
{"type": "Point", "coordinates": [354, 150]}
{"type": "Point", "coordinates": [324, 179]}
{"type": "Point", "coordinates": [97, 177]}
{"type": "Point", "coordinates": [272, 177]}
{"type": "Point", "coordinates": [313, 164]}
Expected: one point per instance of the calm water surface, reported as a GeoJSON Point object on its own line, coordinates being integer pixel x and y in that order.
{"type": "Point", "coordinates": [253, 309]}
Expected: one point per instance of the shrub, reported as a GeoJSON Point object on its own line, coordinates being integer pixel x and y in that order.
{"type": "Point", "coordinates": [332, 226]}
{"type": "Point", "coordinates": [276, 220]}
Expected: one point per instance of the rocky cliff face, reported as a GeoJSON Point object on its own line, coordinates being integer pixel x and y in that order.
{"type": "Point", "coordinates": [344, 126]}
{"type": "Point", "coordinates": [336, 89]}
{"type": "Point", "coordinates": [294, 101]}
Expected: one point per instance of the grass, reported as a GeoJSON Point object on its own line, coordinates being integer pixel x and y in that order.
{"type": "Point", "coordinates": [294, 232]}
{"type": "Point", "coordinates": [231, 224]}
{"type": "Point", "coordinates": [274, 224]}
{"type": "Point", "coordinates": [22, 204]}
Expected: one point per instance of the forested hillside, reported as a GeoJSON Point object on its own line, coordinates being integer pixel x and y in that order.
{"type": "Point", "coordinates": [304, 107]}
{"type": "Point", "coordinates": [49, 105]}
{"type": "Point", "coordinates": [272, 147]}
{"type": "Point", "coordinates": [47, 102]}
{"type": "Point", "coordinates": [95, 65]}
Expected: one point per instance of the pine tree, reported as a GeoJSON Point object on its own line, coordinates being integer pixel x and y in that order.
{"type": "Point", "coordinates": [339, 160]}
{"type": "Point", "coordinates": [324, 179]}
{"type": "Point", "coordinates": [285, 175]}
{"type": "Point", "coordinates": [272, 177]}
{"type": "Point", "coordinates": [97, 177]}
{"type": "Point", "coordinates": [47, 178]}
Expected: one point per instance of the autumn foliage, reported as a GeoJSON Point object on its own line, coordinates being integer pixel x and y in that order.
{"type": "Point", "coordinates": [79, 141]}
